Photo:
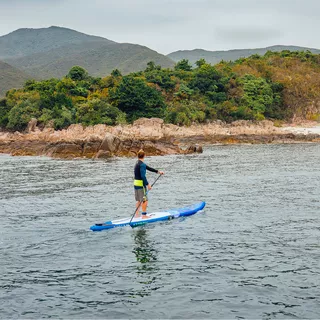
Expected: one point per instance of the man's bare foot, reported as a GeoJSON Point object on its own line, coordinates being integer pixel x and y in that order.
{"type": "Point", "coordinates": [144, 216]}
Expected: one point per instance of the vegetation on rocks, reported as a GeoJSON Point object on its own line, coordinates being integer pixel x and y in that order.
{"type": "Point", "coordinates": [276, 86]}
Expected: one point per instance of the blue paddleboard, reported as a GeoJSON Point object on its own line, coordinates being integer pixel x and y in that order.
{"type": "Point", "coordinates": [150, 218]}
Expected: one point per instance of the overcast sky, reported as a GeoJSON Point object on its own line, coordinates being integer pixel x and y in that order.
{"type": "Point", "coordinates": [170, 25]}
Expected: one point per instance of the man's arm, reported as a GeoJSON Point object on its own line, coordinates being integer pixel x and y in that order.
{"type": "Point", "coordinates": [151, 169]}
{"type": "Point", "coordinates": [154, 170]}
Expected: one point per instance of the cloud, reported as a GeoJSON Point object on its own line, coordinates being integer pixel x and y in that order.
{"type": "Point", "coordinates": [247, 34]}
{"type": "Point", "coordinates": [168, 25]}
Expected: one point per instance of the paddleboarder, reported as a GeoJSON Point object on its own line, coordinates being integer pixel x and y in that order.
{"type": "Point", "coordinates": [141, 184]}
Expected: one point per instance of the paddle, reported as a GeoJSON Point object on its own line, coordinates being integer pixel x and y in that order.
{"type": "Point", "coordinates": [104, 224]}
{"type": "Point", "coordinates": [142, 201]}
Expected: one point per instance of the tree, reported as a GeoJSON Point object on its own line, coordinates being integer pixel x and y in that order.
{"type": "Point", "coordinates": [137, 99]}
{"type": "Point", "coordinates": [184, 92]}
{"type": "Point", "coordinates": [258, 95]}
{"type": "Point", "coordinates": [183, 65]}
{"type": "Point", "coordinates": [20, 115]}
{"type": "Point", "coordinates": [116, 73]}
{"type": "Point", "coordinates": [200, 62]}
{"type": "Point", "coordinates": [150, 66]}
{"type": "Point", "coordinates": [185, 112]}
{"type": "Point", "coordinates": [77, 73]}
{"type": "Point", "coordinates": [209, 81]}
{"type": "Point", "coordinates": [98, 111]}
{"type": "Point", "coordinates": [4, 110]}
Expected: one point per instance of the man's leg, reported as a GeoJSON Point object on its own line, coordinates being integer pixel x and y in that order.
{"type": "Point", "coordinates": [144, 208]}
{"type": "Point", "coordinates": [138, 204]}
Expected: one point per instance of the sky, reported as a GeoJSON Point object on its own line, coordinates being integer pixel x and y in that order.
{"type": "Point", "coordinates": [171, 25]}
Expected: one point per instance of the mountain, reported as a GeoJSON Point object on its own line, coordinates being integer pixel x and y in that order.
{"type": "Point", "coordinates": [24, 42]}
{"type": "Point", "coordinates": [99, 58]}
{"type": "Point", "coordinates": [51, 52]}
{"type": "Point", "coordinates": [214, 57]}
{"type": "Point", "coordinates": [10, 77]}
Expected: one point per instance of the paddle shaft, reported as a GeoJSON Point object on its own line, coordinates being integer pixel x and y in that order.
{"type": "Point", "coordinates": [140, 203]}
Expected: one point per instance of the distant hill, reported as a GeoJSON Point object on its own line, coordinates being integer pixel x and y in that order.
{"type": "Point", "coordinates": [10, 77]}
{"type": "Point", "coordinates": [24, 42]}
{"type": "Point", "coordinates": [51, 52]}
{"type": "Point", "coordinates": [214, 57]}
{"type": "Point", "coordinates": [99, 58]}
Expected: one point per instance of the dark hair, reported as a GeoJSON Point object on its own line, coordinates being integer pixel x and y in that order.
{"type": "Point", "coordinates": [141, 154]}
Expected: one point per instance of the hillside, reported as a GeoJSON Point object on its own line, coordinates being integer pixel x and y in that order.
{"type": "Point", "coordinates": [51, 52]}
{"type": "Point", "coordinates": [24, 42]}
{"type": "Point", "coordinates": [10, 77]}
{"type": "Point", "coordinates": [99, 58]}
{"type": "Point", "coordinates": [214, 57]}
{"type": "Point", "coordinates": [279, 86]}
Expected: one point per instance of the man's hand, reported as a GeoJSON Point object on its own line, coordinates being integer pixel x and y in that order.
{"type": "Point", "coordinates": [149, 187]}
{"type": "Point", "coordinates": [161, 172]}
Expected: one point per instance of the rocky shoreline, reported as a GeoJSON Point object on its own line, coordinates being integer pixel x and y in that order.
{"type": "Point", "coordinates": [153, 135]}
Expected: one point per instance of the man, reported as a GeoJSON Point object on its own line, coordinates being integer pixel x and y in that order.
{"type": "Point", "coordinates": [141, 183]}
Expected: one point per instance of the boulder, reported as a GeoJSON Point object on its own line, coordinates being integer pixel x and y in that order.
{"type": "Point", "coordinates": [103, 154]}
{"type": "Point", "coordinates": [32, 125]}
{"type": "Point", "coordinates": [64, 150]}
{"type": "Point", "coordinates": [110, 143]}
{"type": "Point", "coordinates": [91, 148]}
{"type": "Point", "coordinates": [199, 149]}
{"type": "Point", "coordinates": [194, 148]}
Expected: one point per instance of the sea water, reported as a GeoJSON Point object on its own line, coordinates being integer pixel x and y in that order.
{"type": "Point", "coordinates": [253, 253]}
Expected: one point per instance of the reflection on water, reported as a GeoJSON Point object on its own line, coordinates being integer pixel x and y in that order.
{"type": "Point", "coordinates": [144, 251]}
{"type": "Point", "coordinates": [146, 256]}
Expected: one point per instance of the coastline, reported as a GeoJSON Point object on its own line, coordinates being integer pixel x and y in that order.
{"type": "Point", "coordinates": [156, 137]}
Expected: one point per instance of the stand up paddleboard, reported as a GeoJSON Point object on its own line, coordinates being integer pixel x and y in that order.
{"type": "Point", "coordinates": [152, 217]}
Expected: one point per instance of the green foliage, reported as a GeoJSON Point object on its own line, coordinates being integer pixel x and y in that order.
{"type": "Point", "coordinates": [151, 66]}
{"type": "Point", "coordinates": [184, 92]}
{"type": "Point", "coordinates": [275, 86]}
{"type": "Point", "coordinates": [183, 65]}
{"type": "Point", "coordinates": [200, 62]}
{"type": "Point", "coordinates": [22, 113]}
{"type": "Point", "coordinates": [77, 73]}
{"type": "Point", "coordinates": [134, 97]}
{"type": "Point", "coordinates": [99, 111]}
{"type": "Point", "coordinates": [163, 78]}
{"type": "Point", "coordinates": [210, 82]}
{"type": "Point", "coordinates": [185, 112]}
{"type": "Point", "coordinates": [116, 73]}
{"type": "Point", "coordinates": [4, 110]}
{"type": "Point", "coordinates": [258, 95]}
{"type": "Point", "coordinates": [62, 117]}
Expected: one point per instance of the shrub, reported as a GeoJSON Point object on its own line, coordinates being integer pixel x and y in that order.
{"type": "Point", "coordinates": [98, 111]}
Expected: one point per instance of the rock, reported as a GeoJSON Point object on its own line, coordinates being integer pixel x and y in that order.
{"type": "Point", "coordinates": [64, 150]}
{"type": "Point", "coordinates": [199, 149]}
{"type": "Point", "coordinates": [152, 128]}
{"type": "Point", "coordinates": [194, 148]}
{"type": "Point", "coordinates": [32, 125]}
{"type": "Point", "coordinates": [110, 143]}
{"type": "Point", "coordinates": [103, 154]}
{"type": "Point", "coordinates": [266, 123]}
{"type": "Point", "coordinates": [90, 149]}
{"type": "Point", "coordinates": [191, 149]}
{"type": "Point", "coordinates": [146, 122]}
